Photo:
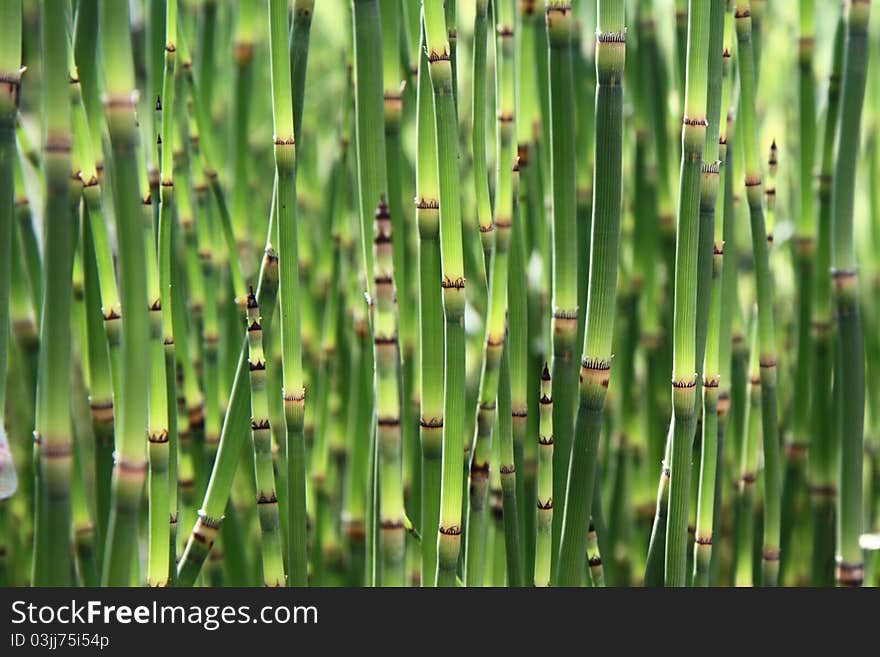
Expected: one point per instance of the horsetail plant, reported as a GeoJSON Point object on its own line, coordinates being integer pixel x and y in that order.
{"type": "Point", "coordinates": [430, 320]}
{"type": "Point", "coordinates": [267, 498]}
{"type": "Point", "coordinates": [53, 445]}
{"type": "Point", "coordinates": [140, 269]}
{"type": "Point", "coordinates": [601, 295]}
{"type": "Point", "coordinates": [543, 547]}
{"type": "Point", "coordinates": [10, 80]}
{"type": "Point", "coordinates": [823, 448]}
{"type": "Point", "coordinates": [712, 186]}
{"type": "Point", "coordinates": [440, 67]}
{"type": "Point", "coordinates": [804, 255]}
{"type": "Point", "coordinates": [764, 287]}
{"type": "Point", "coordinates": [564, 302]}
{"type": "Point", "coordinates": [850, 364]}
{"type": "Point", "coordinates": [496, 324]}
{"type": "Point", "coordinates": [293, 387]}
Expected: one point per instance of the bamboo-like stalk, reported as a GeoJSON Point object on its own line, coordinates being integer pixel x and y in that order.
{"type": "Point", "coordinates": [748, 459]}
{"type": "Point", "coordinates": [167, 269]}
{"type": "Point", "coordinates": [478, 122]}
{"type": "Point", "coordinates": [502, 222]}
{"type": "Point", "coordinates": [564, 301]}
{"type": "Point", "coordinates": [104, 342]}
{"type": "Point", "coordinates": [693, 136]}
{"type": "Point", "coordinates": [543, 548]}
{"type": "Point", "coordinates": [300, 29]}
{"type": "Point", "coordinates": [440, 66]}
{"type": "Point", "coordinates": [130, 463]}
{"type": "Point", "coordinates": [267, 499]}
{"type": "Point", "coordinates": [507, 474]}
{"type": "Point", "coordinates": [288, 291]}
{"type": "Point", "coordinates": [850, 356]}
{"type": "Point", "coordinates": [764, 285]}
{"type": "Point", "coordinates": [243, 46]}
{"type": "Point", "coordinates": [10, 80]}
{"type": "Point", "coordinates": [210, 516]}
{"type": "Point", "coordinates": [388, 405]}
{"type": "Point", "coordinates": [804, 254]}
{"type": "Point", "coordinates": [52, 434]}
{"type": "Point", "coordinates": [601, 296]}
{"type": "Point", "coordinates": [823, 448]}
{"type": "Point", "coordinates": [430, 322]}
{"type": "Point", "coordinates": [712, 216]}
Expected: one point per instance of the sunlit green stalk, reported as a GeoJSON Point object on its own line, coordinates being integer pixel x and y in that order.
{"type": "Point", "coordinates": [850, 355]}
{"type": "Point", "coordinates": [764, 287]}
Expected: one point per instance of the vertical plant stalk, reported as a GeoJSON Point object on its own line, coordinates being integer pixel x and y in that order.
{"type": "Point", "coordinates": [261, 434]}
{"type": "Point", "coordinates": [543, 538]}
{"type": "Point", "coordinates": [507, 475]}
{"type": "Point", "coordinates": [243, 45]}
{"type": "Point", "coordinates": [601, 295]}
{"type": "Point", "coordinates": [130, 462]}
{"type": "Point", "coordinates": [440, 67]}
{"type": "Point", "coordinates": [430, 322]}
{"type": "Point", "coordinates": [850, 356]}
{"type": "Point", "coordinates": [10, 81]}
{"type": "Point", "coordinates": [53, 441]}
{"type": "Point", "coordinates": [478, 132]}
{"type": "Point", "coordinates": [764, 287]}
{"type": "Point", "coordinates": [387, 386]}
{"type": "Point", "coordinates": [210, 515]}
{"type": "Point", "coordinates": [104, 337]}
{"type": "Point", "coordinates": [748, 459]}
{"type": "Point", "coordinates": [158, 450]}
{"type": "Point", "coordinates": [293, 384]}
{"type": "Point", "coordinates": [804, 255]}
{"type": "Point", "coordinates": [711, 217]}
{"type": "Point", "coordinates": [300, 30]}
{"type": "Point", "coordinates": [167, 268]}
{"type": "Point", "coordinates": [564, 301]}
{"type": "Point", "coordinates": [498, 294]}
{"type": "Point", "coordinates": [684, 378]}
{"type": "Point", "coordinates": [823, 448]}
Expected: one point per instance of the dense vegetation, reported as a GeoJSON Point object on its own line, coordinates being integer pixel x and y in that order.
{"type": "Point", "coordinates": [462, 293]}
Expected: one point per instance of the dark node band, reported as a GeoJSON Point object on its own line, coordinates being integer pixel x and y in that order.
{"type": "Point", "coordinates": [611, 37]}
{"type": "Point", "coordinates": [208, 521]}
{"type": "Point", "coordinates": [454, 530]}
{"type": "Point", "coordinates": [695, 122]}
{"type": "Point", "coordinates": [435, 56]}
{"type": "Point", "coordinates": [452, 284]}
{"type": "Point", "coordinates": [159, 438]}
{"type": "Point", "coordinates": [427, 204]}
{"type": "Point", "coordinates": [296, 396]}
{"type": "Point", "coordinates": [267, 499]}
{"type": "Point", "coordinates": [431, 423]}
